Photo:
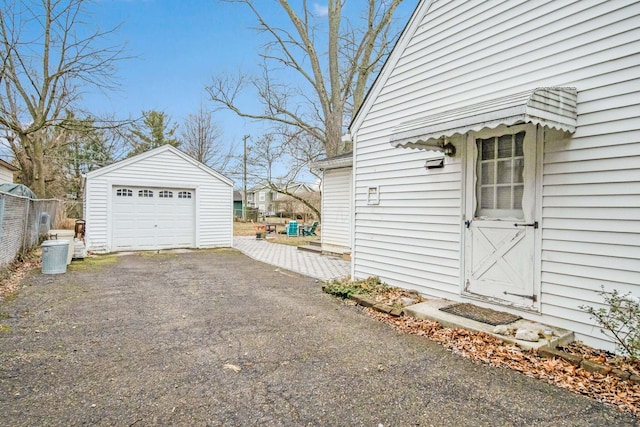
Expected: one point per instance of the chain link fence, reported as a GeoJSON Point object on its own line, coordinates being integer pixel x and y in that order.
{"type": "Point", "coordinates": [23, 224]}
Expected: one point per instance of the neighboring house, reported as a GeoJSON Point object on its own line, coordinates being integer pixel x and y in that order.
{"type": "Point", "coordinates": [157, 200]}
{"type": "Point", "coordinates": [337, 183]}
{"type": "Point", "coordinates": [262, 197]}
{"type": "Point", "coordinates": [6, 172]}
{"type": "Point", "coordinates": [286, 205]}
{"type": "Point", "coordinates": [270, 202]}
{"type": "Point", "coordinates": [237, 204]}
{"type": "Point", "coordinates": [497, 158]}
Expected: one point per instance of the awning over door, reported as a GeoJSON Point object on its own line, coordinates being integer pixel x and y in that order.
{"type": "Point", "coordinates": [553, 107]}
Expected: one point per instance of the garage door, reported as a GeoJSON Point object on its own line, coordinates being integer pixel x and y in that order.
{"type": "Point", "coordinates": [153, 218]}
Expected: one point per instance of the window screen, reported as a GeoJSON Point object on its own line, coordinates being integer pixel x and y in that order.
{"type": "Point", "coordinates": [500, 184]}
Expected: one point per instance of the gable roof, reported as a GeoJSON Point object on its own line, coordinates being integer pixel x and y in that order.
{"type": "Point", "coordinates": [393, 58]}
{"type": "Point", "coordinates": [553, 107]}
{"type": "Point", "coordinates": [155, 152]}
{"type": "Point", "coordinates": [340, 161]}
{"type": "Point", "coordinates": [9, 166]}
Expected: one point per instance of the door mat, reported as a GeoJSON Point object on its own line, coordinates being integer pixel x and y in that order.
{"type": "Point", "coordinates": [480, 314]}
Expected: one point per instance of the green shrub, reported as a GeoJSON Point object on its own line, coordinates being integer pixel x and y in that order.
{"type": "Point", "coordinates": [345, 288]}
{"type": "Point", "coordinates": [620, 320]}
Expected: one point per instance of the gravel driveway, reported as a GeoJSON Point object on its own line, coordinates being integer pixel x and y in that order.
{"type": "Point", "coordinates": [216, 338]}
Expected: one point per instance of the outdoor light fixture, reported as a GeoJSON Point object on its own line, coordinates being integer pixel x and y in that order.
{"type": "Point", "coordinates": [446, 148]}
{"type": "Point", "coordinates": [449, 149]}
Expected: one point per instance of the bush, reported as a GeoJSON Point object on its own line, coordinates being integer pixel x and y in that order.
{"type": "Point", "coordinates": [620, 320]}
{"type": "Point", "coordinates": [345, 288]}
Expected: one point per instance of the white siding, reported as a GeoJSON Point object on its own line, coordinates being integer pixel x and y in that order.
{"type": "Point", "coordinates": [6, 176]}
{"type": "Point", "coordinates": [214, 197]}
{"type": "Point", "coordinates": [336, 213]}
{"type": "Point", "coordinates": [465, 52]}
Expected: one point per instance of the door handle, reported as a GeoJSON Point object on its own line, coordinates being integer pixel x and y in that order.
{"type": "Point", "coordinates": [467, 223]}
{"type": "Point", "coordinates": [533, 224]}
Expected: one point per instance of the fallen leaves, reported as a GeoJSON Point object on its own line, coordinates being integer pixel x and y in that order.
{"type": "Point", "coordinates": [485, 348]}
{"type": "Point", "coordinates": [13, 274]}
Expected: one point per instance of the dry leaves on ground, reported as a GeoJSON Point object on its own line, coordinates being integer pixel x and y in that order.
{"type": "Point", "coordinates": [486, 348]}
{"type": "Point", "coordinates": [13, 274]}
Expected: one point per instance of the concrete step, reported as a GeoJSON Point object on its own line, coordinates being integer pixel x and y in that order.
{"type": "Point", "coordinates": [310, 248]}
{"type": "Point", "coordinates": [315, 243]}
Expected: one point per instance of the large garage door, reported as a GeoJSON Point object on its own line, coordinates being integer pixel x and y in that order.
{"type": "Point", "coordinates": [153, 218]}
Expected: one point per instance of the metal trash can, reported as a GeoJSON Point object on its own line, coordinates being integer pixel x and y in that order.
{"type": "Point", "coordinates": [54, 256]}
{"type": "Point", "coordinates": [64, 235]}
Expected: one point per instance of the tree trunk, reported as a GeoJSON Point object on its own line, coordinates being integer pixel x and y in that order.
{"type": "Point", "coordinates": [333, 143]}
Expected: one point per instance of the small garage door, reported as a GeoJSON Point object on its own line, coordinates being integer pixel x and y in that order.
{"type": "Point", "coordinates": [153, 218]}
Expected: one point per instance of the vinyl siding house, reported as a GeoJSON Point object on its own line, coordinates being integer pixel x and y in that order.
{"type": "Point", "coordinates": [270, 203]}
{"type": "Point", "coordinates": [6, 172]}
{"type": "Point", "coordinates": [337, 184]}
{"type": "Point", "coordinates": [159, 199]}
{"type": "Point", "coordinates": [262, 198]}
{"type": "Point", "coordinates": [497, 158]}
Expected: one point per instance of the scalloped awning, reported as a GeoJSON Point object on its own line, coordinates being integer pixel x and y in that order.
{"type": "Point", "coordinates": [553, 107]}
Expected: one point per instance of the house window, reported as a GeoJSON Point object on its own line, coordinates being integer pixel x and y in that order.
{"type": "Point", "coordinates": [373, 195]}
{"type": "Point", "coordinates": [165, 194]}
{"type": "Point", "coordinates": [500, 184]}
{"type": "Point", "coordinates": [145, 193]}
{"type": "Point", "coordinates": [184, 195]}
{"type": "Point", "coordinates": [249, 197]}
{"type": "Point", "coordinates": [261, 196]}
{"type": "Point", "coordinates": [124, 192]}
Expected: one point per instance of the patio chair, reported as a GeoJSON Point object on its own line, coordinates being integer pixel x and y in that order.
{"type": "Point", "coordinates": [261, 230]}
{"type": "Point", "coordinates": [310, 230]}
{"type": "Point", "coordinates": [292, 228]}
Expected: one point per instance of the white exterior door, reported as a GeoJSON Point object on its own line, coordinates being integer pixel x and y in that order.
{"type": "Point", "coordinates": [152, 218]}
{"type": "Point", "coordinates": [500, 224]}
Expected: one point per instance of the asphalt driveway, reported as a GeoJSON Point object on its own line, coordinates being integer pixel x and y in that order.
{"type": "Point", "coordinates": [216, 338]}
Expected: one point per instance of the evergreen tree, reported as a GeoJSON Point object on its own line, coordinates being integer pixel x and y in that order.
{"type": "Point", "coordinates": [154, 131]}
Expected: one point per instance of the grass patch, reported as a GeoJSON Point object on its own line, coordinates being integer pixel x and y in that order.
{"type": "Point", "coordinates": [344, 288]}
{"type": "Point", "coordinates": [92, 263]}
{"type": "Point", "coordinates": [4, 328]}
{"type": "Point", "coordinates": [292, 241]}
{"type": "Point", "coordinates": [246, 229]}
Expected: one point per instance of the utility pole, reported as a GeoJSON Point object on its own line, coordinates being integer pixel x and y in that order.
{"type": "Point", "coordinates": [244, 178]}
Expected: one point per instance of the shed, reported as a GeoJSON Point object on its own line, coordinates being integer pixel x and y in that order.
{"type": "Point", "coordinates": [159, 199]}
{"type": "Point", "coordinates": [497, 158]}
{"type": "Point", "coordinates": [6, 172]}
{"type": "Point", "coordinates": [336, 202]}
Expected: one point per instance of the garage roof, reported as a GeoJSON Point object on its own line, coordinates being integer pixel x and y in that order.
{"type": "Point", "coordinates": [154, 152]}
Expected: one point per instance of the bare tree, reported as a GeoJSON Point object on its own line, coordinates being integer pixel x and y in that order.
{"type": "Point", "coordinates": [50, 55]}
{"type": "Point", "coordinates": [279, 160]}
{"type": "Point", "coordinates": [333, 69]}
{"type": "Point", "coordinates": [201, 139]}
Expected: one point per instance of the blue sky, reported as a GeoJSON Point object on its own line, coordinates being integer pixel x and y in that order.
{"type": "Point", "coordinates": [176, 48]}
{"type": "Point", "coordinates": [178, 45]}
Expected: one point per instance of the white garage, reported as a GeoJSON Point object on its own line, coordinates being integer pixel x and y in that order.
{"type": "Point", "coordinates": [160, 199]}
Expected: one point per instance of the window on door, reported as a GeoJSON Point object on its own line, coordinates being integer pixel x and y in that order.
{"type": "Point", "coordinates": [500, 183]}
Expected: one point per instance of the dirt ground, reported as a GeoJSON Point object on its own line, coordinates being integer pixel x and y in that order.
{"type": "Point", "coordinates": [212, 337]}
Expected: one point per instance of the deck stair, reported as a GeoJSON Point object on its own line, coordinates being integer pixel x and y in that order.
{"type": "Point", "coordinates": [313, 246]}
